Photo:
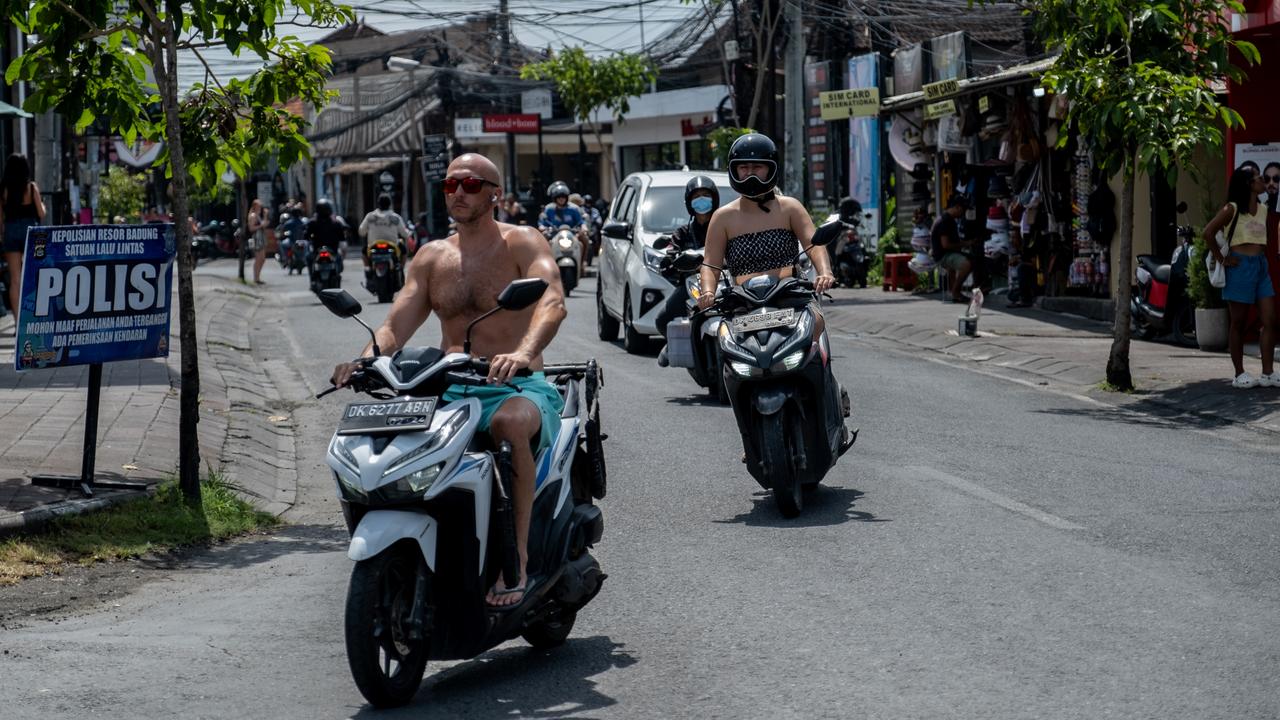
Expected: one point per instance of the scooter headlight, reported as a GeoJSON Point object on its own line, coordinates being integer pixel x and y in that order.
{"type": "Point", "coordinates": [420, 481]}
{"type": "Point", "coordinates": [566, 243]}
{"type": "Point", "coordinates": [793, 361]}
{"type": "Point", "coordinates": [434, 440]}
{"type": "Point", "coordinates": [742, 369]}
{"type": "Point", "coordinates": [349, 490]}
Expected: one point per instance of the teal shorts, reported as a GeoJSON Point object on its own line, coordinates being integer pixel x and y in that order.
{"type": "Point", "coordinates": [536, 390]}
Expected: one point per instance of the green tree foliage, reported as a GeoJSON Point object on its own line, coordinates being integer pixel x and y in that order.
{"type": "Point", "coordinates": [722, 139]}
{"type": "Point", "coordinates": [1138, 74]}
{"type": "Point", "coordinates": [586, 84]}
{"type": "Point", "coordinates": [116, 61]}
{"type": "Point", "coordinates": [122, 194]}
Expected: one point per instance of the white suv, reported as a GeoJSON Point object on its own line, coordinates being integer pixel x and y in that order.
{"type": "Point", "coordinates": [629, 288]}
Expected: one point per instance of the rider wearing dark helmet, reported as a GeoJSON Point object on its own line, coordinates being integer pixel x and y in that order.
{"type": "Point", "coordinates": [761, 232]}
{"type": "Point", "coordinates": [325, 230]}
{"type": "Point", "coordinates": [701, 199]}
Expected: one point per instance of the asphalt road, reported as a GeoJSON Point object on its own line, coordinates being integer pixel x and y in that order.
{"type": "Point", "coordinates": [987, 550]}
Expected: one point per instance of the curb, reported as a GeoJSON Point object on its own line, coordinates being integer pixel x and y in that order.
{"type": "Point", "coordinates": [985, 350]}
{"type": "Point", "coordinates": [37, 518]}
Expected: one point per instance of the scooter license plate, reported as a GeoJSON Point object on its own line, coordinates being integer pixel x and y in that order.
{"type": "Point", "coordinates": [764, 321]}
{"type": "Point", "coordinates": [387, 416]}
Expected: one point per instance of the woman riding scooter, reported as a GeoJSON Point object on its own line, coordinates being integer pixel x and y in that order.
{"type": "Point", "coordinates": [701, 199]}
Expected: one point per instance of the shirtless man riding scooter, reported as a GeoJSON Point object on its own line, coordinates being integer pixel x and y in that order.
{"type": "Point", "coordinates": [459, 278]}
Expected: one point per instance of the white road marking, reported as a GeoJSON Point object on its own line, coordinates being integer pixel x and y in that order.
{"type": "Point", "coordinates": [993, 497]}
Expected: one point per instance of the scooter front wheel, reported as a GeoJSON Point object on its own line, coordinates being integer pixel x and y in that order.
{"type": "Point", "coordinates": [387, 655]}
{"type": "Point", "coordinates": [776, 456]}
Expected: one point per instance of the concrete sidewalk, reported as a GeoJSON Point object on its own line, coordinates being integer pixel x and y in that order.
{"type": "Point", "coordinates": [243, 431]}
{"type": "Point", "coordinates": [1064, 351]}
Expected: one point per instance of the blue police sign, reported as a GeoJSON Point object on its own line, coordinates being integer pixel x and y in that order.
{"type": "Point", "coordinates": [93, 294]}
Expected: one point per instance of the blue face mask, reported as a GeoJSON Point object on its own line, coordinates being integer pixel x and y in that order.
{"type": "Point", "coordinates": [701, 205]}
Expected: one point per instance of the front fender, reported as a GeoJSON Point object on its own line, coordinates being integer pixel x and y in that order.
{"type": "Point", "coordinates": [768, 401]}
{"type": "Point", "coordinates": [380, 529]}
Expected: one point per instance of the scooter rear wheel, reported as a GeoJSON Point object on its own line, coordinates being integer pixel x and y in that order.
{"type": "Point", "coordinates": [386, 664]}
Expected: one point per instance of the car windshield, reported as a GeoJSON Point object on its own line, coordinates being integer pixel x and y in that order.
{"type": "Point", "coordinates": [664, 211]}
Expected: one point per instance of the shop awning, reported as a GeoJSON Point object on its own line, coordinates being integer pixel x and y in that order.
{"type": "Point", "coordinates": [1009, 76]}
{"type": "Point", "coordinates": [363, 167]}
{"type": "Point", "coordinates": [7, 110]}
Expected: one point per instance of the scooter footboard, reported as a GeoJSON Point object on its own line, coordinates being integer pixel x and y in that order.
{"type": "Point", "coordinates": [380, 529]}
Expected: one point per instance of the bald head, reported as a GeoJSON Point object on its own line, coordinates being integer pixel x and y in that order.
{"type": "Point", "coordinates": [478, 165]}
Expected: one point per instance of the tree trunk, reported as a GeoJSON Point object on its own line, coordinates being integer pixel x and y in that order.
{"type": "Point", "coordinates": [189, 399]}
{"type": "Point", "coordinates": [242, 214]}
{"type": "Point", "coordinates": [1122, 265]}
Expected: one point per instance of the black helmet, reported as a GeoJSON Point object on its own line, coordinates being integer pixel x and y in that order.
{"type": "Point", "coordinates": [753, 148]}
{"type": "Point", "coordinates": [701, 182]}
{"type": "Point", "coordinates": [324, 208]}
{"type": "Point", "coordinates": [556, 189]}
{"type": "Point", "coordinates": [850, 210]}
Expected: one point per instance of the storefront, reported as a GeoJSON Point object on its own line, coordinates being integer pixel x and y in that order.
{"type": "Point", "coordinates": [665, 130]}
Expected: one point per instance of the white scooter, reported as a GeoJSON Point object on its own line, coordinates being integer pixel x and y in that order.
{"type": "Point", "coordinates": [566, 248]}
{"type": "Point", "coordinates": [427, 500]}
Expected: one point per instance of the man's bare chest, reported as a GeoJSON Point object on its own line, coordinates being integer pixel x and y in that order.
{"type": "Point", "coordinates": [465, 288]}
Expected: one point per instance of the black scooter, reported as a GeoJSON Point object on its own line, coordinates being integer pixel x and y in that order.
{"type": "Point", "coordinates": [693, 340]}
{"type": "Point", "coordinates": [777, 371]}
{"type": "Point", "coordinates": [853, 257]}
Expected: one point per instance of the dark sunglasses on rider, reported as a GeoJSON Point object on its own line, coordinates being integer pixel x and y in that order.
{"type": "Point", "coordinates": [470, 185]}
{"type": "Point", "coordinates": [1273, 179]}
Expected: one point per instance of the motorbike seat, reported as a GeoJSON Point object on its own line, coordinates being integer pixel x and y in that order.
{"type": "Point", "coordinates": [410, 361]}
{"type": "Point", "coordinates": [1158, 271]}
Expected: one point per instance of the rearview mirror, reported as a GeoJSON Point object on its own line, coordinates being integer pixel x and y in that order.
{"type": "Point", "coordinates": [687, 261]}
{"type": "Point", "coordinates": [520, 294]}
{"type": "Point", "coordinates": [662, 243]}
{"type": "Point", "coordinates": [340, 303]}
{"type": "Point", "coordinates": [616, 230]}
{"type": "Point", "coordinates": [828, 233]}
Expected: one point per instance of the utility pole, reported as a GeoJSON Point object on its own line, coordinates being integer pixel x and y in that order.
{"type": "Point", "coordinates": [794, 136]}
{"type": "Point", "coordinates": [504, 35]}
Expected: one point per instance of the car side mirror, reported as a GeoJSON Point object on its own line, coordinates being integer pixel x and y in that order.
{"type": "Point", "coordinates": [616, 230]}
{"type": "Point", "coordinates": [687, 261]}
{"type": "Point", "coordinates": [662, 243]}
{"type": "Point", "coordinates": [828, 233]}
{"type": "Point", "coordinates": [520, 294]}
{"type": "Point", "coordinates": [339, 302]}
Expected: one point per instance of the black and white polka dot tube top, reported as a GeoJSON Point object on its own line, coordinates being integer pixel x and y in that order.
{"type": "Point", "coordinates": [761, 251]}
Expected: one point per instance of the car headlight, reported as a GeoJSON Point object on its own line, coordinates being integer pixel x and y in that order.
{"type": "Point", "coordinates": [653, 259]}
{"type": "Point", "coordinates": [566, 243]}
{"type": "Point", "coordinates": [792, 361]}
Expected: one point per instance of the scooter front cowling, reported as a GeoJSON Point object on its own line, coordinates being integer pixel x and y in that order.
{"type": "Point", "coordinates": [380, 529]}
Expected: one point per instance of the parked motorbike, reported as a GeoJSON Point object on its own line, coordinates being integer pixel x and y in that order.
{"type": "Point", "coordinates": [777, 371]}
{"type": "Point", "coordinates": [325, 270]}
{"type": "Point", "coordinates": [427, 502]}
{"type": "Point", "coordinates": [1159, 306]}
{"type": "Point", "coordinates": [692, 345]}
{"type": "Point", "coordinates": [566, 247]}
{"type": "Point", "coordinates": [853, 253]}
{"type": "Point", "coordinates": [221, 237]}
{"type": "Point", "coordinates": [385, 276]}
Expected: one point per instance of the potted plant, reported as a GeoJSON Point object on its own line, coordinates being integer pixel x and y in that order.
{"type": "Point", "coordinates": [1211, 311]}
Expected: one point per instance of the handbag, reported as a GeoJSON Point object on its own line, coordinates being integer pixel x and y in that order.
{"type": "Point", "coordinates": [1218, 271]}
{"type": "Point", "coordinates": [1027, 196]}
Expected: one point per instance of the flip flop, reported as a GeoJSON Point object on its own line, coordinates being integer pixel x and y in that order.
{"type": "Point", "coordinates": [522, 589]}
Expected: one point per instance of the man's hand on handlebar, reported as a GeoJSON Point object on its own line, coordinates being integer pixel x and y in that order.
{"type": "Point", "coordinates": [706, 300]}
{"type": "Point", "coordinates": [823, 283]}
{"type": "Point", "coordinates": [504, 367]}
{"type": "Point", "coordinates": [342, 372]}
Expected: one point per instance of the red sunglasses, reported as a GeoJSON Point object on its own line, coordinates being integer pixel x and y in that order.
{"type": "Point", "coordinates": [470, 185]}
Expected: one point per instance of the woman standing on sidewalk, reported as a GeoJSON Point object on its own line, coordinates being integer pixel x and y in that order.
{"type": "Point", "coordinates": [1248, 282]}
{"type": "Point", "coordinates": [22, 208]}
{"type": "Point", "coordinates": [257, 227]}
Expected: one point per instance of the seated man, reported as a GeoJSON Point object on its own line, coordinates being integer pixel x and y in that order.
{"type": "Point", "coordinates": [460, 278]}
{"type": "Point", "coordinates": [949, 250]}
{"type": "Point", "coordinates": [382, 224]}
{"type": "Point", "coordinates": [559, 211]}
